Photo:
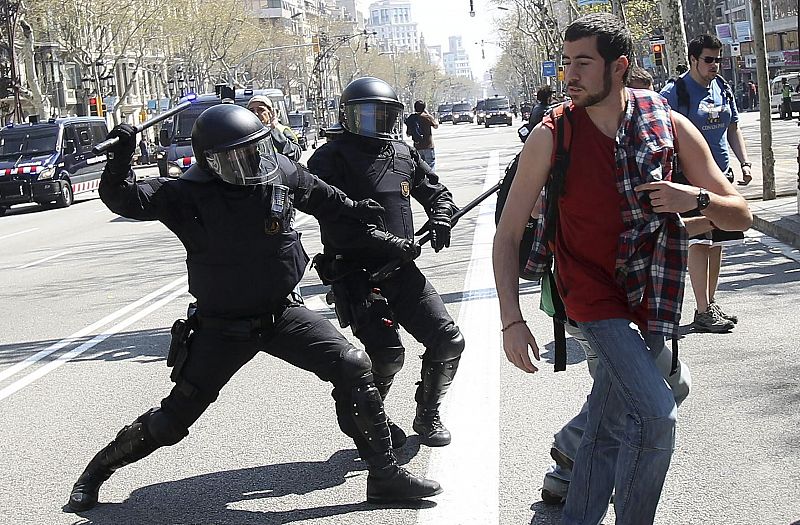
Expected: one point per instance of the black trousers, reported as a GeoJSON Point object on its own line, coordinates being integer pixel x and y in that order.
{"type": "Point", "coordinates": [412, 302]}
{"type": "Point", "coordinates": [299, 336]}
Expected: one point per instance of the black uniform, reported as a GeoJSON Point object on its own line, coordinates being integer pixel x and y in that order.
{"type": "Point", "coordinates": [389, 172]}
{"type": "Point", "coordinates": [243, 260]}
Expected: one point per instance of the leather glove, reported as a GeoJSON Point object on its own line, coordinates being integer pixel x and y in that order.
{"type": "Point", "coordinates": [121, 153]}
{"type": "Point", "coordinates": [367, 210]}
{"type": "Point", "coordinates": [440, 231]}
{"type": "Point", "coordinates": [397, 247]}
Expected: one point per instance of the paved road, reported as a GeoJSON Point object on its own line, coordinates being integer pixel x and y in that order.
{"type": "Point", "coordinates": [97, 294]}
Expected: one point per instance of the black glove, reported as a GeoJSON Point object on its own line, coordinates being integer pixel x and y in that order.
{"type": "Point", "coordinates": [397, 247]}
{"type": "Point", "coordinates": [120, 154]}
{"type": "Point", "coordinates": [440, 231]}
{"type": "Point", "coordinates": [367, 210]}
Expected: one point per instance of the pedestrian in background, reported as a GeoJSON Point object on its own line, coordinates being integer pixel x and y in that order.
{"type": "Point", "coordinates": [284, 139]}
{"type": "Point", "coordinates": [544, 97]}
{"type": "Point", "coordinates": [786, 100]}
{"type": "Point", "coordinates": [144, 153]}
{"type": "Point", "coordinates": [640, 78]}
{"type": "Point", "coordinates": [420, 126]}
{"type": "Point", "coordinates": [706, 100]}
{"type": "Point", "coordinates": [630, 429]}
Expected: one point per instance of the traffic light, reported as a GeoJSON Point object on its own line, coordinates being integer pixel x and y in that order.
{"type": "Point", "coordinates": [366, 46]}
{"type": "Point", "coordinates": [93, 107]}
{"type": "Point", "coordinates": [560, 74]}
{"type": "Point", "coordinates": [658, 55]}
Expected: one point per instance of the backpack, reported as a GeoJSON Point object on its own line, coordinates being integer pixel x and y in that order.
{"type": "Point", "coordinates": [683, 93]}
{"type": "Point", "coordinates": [413, 129]}
{"type": "Point", "coordinates": [550, 301]}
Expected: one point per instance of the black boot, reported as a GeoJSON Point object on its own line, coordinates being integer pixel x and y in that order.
{"type": "Point", "coordinates": [429, 426]}
{"type": "Point", "coordinates": [399, 437]}
{"type": "Point", "coordinates": [131, 444]}
{"type": "Point", "coordinates": [437, 376]}
{"type": "Point", "coordinates": [389, 482]}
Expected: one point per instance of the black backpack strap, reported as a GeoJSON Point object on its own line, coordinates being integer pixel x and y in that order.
{"type": "Point", "coordinates": [556, 182]}
{"type": "Point", "coordinates": [683, 96]}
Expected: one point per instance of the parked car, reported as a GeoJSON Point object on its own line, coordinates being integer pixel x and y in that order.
{"type": "Point", "coordinates": [305, 127]}
{"type": "Point", "coordinates": [776, 98]}
{"type": "Point", "coordinates": [498, 111]}
{"type": "Point", "coordinates": [480, 111]}
{"type": "Point", "coordinates": [444, 113]}
{"type": "Point", "coordinates": [176, 138]}
{"type": "Point", "coordinates": [50, 162]}
{"type": "Point", "coordinates": [462, 112]}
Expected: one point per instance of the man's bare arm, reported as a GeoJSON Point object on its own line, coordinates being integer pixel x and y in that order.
{"type": "Point", "coordinates": [727, 209]}
{"type": "Point", "coordinates": [532, 172]}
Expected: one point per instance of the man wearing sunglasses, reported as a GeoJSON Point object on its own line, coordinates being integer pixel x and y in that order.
{"type": "Point", "coordinates": [706, 99]}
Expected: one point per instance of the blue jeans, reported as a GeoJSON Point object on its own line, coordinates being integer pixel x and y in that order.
{"type": "Point", "coordinates": [429, 156]}
{"type": "Point", "coordinates": [630, 429]}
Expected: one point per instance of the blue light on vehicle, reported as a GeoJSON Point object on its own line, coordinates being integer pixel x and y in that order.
{"type": "Point", "coordinates": [191, 97]}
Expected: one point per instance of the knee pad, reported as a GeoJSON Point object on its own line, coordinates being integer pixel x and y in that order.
{"type": "Point", "coordinates": [355, 367]}
{"type": "Point", "coordinates": [450, 346]}
{"type": "Point", "coordinates": [163, 427]}
{"type": "Point", "coordinates": [387, 362]}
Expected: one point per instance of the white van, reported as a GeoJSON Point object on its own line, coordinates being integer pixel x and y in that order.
{"type": "Point", "coordinates": [776, 99]}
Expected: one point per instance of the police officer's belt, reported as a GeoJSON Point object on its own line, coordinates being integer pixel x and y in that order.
{"type": "Point", "coordinates": [242, 325]}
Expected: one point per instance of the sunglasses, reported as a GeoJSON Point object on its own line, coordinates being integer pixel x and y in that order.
{"type": "Point", "coordinates": [711, 60]}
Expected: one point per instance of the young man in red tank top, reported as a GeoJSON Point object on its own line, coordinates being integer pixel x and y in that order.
{"type": "Point", "coordinates": [621, 252]}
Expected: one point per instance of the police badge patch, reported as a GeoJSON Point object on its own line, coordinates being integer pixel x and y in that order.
{"type": "Point", "coordinates": [405, 188]}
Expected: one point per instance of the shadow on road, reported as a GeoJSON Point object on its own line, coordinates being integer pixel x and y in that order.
{"type": "Point", "coordinates": [544, 514]}
{"type": "Point", "coordinates": [212, 498]}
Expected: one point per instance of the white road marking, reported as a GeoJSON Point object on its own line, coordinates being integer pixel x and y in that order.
{"type": "Point", "coordinates": [49, 367]}
{"type": "Point", "coordinates": [17, 233]}
{"type": "Point", "coordinates": [42, 260]}
{"type": "Point", "coordinates": [302, 219]}
{"type": "Point", "coordinates": [22, 365]}
{"type": "Point", "coordinates": [469, 468]}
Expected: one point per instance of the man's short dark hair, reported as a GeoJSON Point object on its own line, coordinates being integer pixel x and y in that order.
{"type": "Point", "coordinates": [544, 93]}
{"type": "Point", "coordinates": [419, 106]}
{"type": "Point", "coordinates": [699, 43]}
{"type": "Point", "coordinates": [613, 38]}
{"type": "Point", "coordinates": [640, 78]}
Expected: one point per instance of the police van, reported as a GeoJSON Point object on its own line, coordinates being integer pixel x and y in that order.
{"type": "Point", "coordinates": [776, 98]}
{"type": "Point", "coordinates": [176, 137]}
{"type": "Point", "coordinates": [50, 162]}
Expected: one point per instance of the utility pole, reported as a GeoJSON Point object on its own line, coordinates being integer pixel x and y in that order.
{"type": "Point", "coordinates": [767, 156]}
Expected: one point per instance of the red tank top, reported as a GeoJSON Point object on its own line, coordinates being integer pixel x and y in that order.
{"type": "Point", "coordinates": [589, 226]}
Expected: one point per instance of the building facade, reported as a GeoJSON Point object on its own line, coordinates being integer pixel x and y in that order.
{"type": "Point", "coordinates": [394, 25]}
{"type": "Point", "coordinates": [456, 59]}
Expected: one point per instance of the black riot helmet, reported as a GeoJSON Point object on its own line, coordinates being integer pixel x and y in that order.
{"type": "Point", "coordinates": [369, 107]}
{"type": "Point", "coordinates": [231, 143]}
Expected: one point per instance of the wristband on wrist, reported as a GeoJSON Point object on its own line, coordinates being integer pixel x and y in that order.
{"type": "Point", "coordinates": [512, 323]}
{"type": "Point", "coordinates": [747, 164]}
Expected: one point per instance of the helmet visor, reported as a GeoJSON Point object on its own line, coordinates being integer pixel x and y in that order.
{"type": "Point", "coordinates": [246, 165]}
{"type": "Point", "coordinates": [372, 119]}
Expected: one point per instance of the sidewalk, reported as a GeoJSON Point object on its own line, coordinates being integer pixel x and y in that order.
{"type": "Point", "coordinates": [777, 218]}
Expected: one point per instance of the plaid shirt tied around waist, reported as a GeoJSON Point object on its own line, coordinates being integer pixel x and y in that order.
{"type": "Point", "coordinates": [652, 250]}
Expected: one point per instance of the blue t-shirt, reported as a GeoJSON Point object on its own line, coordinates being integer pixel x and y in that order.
{"type": "Point", "coordinates": [710, 110]}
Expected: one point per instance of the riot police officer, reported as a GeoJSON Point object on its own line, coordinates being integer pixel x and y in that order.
{"type": "Point", "coordinates": [367, 162]}
{"type": "Point", "coordinates": [233, 212]}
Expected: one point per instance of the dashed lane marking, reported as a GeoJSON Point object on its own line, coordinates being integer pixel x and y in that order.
{"type": "Point", "coordinates": [17, 233]}
{"type": "Point", "coordinates": [42, 260]}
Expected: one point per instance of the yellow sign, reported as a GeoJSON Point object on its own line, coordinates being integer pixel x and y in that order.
{"type": "Point", "coordinates": [142, 116]}
{"type": "Point", "coordinates": [560, 74]}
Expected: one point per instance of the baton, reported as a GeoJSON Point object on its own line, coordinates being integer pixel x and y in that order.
{"type": "Point", "coordinates": [385, 271]}
{"type": "Point", "coordinates": [103, 146]}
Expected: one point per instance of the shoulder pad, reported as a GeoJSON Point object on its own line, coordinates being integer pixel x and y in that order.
{"type": "Point", "coordinates": [197, 174]}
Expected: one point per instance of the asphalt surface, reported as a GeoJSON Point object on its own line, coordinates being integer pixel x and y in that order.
{"type": "Point", "coordinates": [269, 450]}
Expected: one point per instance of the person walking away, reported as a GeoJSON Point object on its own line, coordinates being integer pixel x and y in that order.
{"type": "Point", "coordinates": [144, 154]}
{"type": "Point", "coordinates": [626, 142]}
{"type": "Point", "coordinates": [284, 139]}
{"type": "Point", "coordinates": [233, 211]}
{"type": "Point", "coordinates": [420, 126]}
{"type": "Point", "coordinates": [367, 160]}
{"type": "Point", "coordinates": [706, 99]}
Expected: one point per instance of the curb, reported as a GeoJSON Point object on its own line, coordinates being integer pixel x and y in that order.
{"type": "Point", "coordinates": [775, 228]}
